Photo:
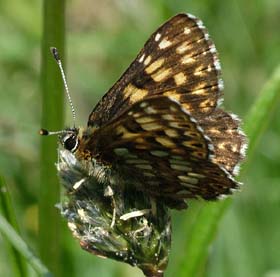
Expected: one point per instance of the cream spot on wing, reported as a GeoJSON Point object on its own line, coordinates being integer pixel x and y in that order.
{"type": "Point", "coordinates": [157, 37]}
{"type": "Point", "coordinates": [143, 104]}
{"type": "Point", "coordinates": [144, 119]}
{"type": "Point", "coordinates": [180, 167]}
{"type": "Point", "coordinates": [140, 140]}
{"type": "Point", "coordinates": [172, 94]}
{"type": "Point", "coordinates": [178, 151]}
{"type": "Point", "coordinates": [207, 104]}
{"type": "Point", "coordinates": [147, 60]}
{"type": "Point", "coordinates": [171, 133]}
{"type": "Point", "coordinates": [174, 125]}
{"type": "Point", "coordinates": [168, 117]}
{"type": "Point", "coordinates": [180, 78]}
{"type": "Point", "coordinates": [161, 75]}
{"type": "Point", "coordinates": [182, 48]}
{"type": "Point", "coordinates": [121, 130]}
{"type": "Point", "coordinates": [221, 146]}
{"type": "Point", "coordinates": [173, 109]}
{"type": "Point", "coordinates": [151, 127]}
{"type": "Point", "coordinates": [199, 71]}
{"type": "Point", "coordinates": [121, 151]}
{"type": "Point", "coordinates": [234, 148]}
{"type": "Point", "coordinates": [197, 175]}
{"type": "Point", "coordinates": [164, 43]}
{"type": "Point", "coordinates": [148, 174]}
{"type": "Point", "coordinates": [214, 131]}
{"type": "Point", "coordinates": [142, 146]}
{"type": "Point", "coordinates": [154, 66]}
{"type": "Point", "coordinates": [189, 180]}
{"type": "Point", "coordinates": [201, 91]}
{"type": "Point", "coordinates": [136, 115]}
{"type": "Point", "coordinates": [150, 110]}
{"type": "Point", "coordinates": [187, 59]}
{"type": "Point", "coordinates": [188, 185]}
{"type": "Point", "coordinates": [142, 58]}
{"type": "Point", "coordinates": [144, 166]}
{"type": "Point", "coordinates": [187, 30]}
{"type": "Point", "coordinates": [159, 153]}
{"type": "Point", "coordinates": [187, 107]}
{"type": "Point", "coordinates": [193, 133]}
{"type": "Point", "coordinates": [183, 192]}
{"type": "Point", "coordinates": [165, 141]}
{"type": "Point", "coordinates": [134, 94]}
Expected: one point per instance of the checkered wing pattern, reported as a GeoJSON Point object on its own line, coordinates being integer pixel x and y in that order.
{"type": "Point", "coordinates": [180, 61]}
{"type": "Point", "coordinates": [159, 143]}
{"type": "Point", "coordinates": [161, 121]}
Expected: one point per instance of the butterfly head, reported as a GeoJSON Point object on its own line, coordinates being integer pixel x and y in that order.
{"type": "Point", "coordinates": [69, 139]}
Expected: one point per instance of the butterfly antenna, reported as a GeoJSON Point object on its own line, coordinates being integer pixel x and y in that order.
{"type": "Point", "coordinates": [58, 60]}
{"type": "Point", "coordinates": [44, 132]}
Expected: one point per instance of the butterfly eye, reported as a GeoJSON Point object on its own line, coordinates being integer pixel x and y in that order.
{"type": "Point", "coordinates": [71, 142]}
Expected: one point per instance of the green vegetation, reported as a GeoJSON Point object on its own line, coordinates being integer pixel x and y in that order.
{"type": "Point", "coordinates": [238, 237]}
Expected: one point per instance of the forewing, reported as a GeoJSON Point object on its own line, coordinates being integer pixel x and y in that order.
{"type": "Point", "coordinates": [180, 61]}
{"type": "Point", "coordinates": [157, 142]}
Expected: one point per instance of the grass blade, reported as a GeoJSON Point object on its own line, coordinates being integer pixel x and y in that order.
{"type": "Point", "coordinates": [52, 118]}
{"type": "Point", "coordinates": [19, 244]}
{"type": "Point", "coordinates": [206, 223]}
{"type": "Point", "coordinates": [19, 267]}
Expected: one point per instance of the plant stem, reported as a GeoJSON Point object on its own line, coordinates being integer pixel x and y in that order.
{"type": "Point", "coordinates": [52, 117]}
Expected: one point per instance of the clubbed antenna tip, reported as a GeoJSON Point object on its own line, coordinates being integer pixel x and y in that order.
{"type": "Point", "coordinates": [55, 53]}
{"type": "Point", "coordinates": [43, 132]}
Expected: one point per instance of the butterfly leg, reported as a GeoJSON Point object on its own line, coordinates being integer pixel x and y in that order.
{"type": "Point", "coordinates": [108, 192]}
{"type": "Point", "coordinates": [153, 206]}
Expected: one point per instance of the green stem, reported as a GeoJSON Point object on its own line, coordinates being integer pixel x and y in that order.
{"type": "Point", "coordinates": [19, 244]}
{"type": "Point", "coordinates": [52, 118]}
{"type": "Point", "coordinates": [8, 211]}
{"type": "Point", "coordinates": [205, 226]}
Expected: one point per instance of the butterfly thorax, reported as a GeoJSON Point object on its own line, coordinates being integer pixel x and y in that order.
{"type": "Point", "coordinates": [77, 146]}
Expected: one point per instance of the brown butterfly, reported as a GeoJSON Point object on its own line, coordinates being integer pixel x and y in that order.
{"type": "Point", "coordinates": [160, 128]}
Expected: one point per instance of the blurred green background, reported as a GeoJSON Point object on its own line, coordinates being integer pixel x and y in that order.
{"type": "Point", "coordinates": [102, 38]}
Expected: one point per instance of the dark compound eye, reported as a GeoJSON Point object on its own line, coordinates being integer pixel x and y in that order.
{"type": "Point", "coordinates": [70, 143]}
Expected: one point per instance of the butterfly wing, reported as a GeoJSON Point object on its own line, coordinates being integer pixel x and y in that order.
{"type": "Point", "coordinates": [180, 145]}
{"type": "Point", "coordinates": [180, 61]}
{"type": "Point", "coordinates": [157, 142]}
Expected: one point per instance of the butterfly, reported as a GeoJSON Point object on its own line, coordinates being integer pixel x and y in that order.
{"type": "Point", "coordinates": [161, 129]}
